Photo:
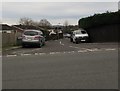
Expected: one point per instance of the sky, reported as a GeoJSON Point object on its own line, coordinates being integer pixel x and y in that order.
{"type": "Point", "coordinates": [54, 12]}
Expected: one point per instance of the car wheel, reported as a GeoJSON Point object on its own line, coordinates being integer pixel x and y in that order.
{"type": "Point", "coordinates": [23, 46]}
{"type": "Point", "coordinates": [43, 43]}
{"type": "Point", "coordinates": [40, 44]}
{"type": "Point", "coordinates": [76, 42]}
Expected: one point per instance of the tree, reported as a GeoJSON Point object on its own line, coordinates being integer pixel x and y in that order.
{"type": "Point", "coordinates": [66, 23]}
{"type": "Point", "coordinates": [44, 23]}
{"type": "Point", "coordinates": [26, 21]}
{"type": "Point", "coordinates": [66, 26]}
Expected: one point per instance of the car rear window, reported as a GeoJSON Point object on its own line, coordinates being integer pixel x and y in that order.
{"type": "Point", "coordinates": [31, 33]}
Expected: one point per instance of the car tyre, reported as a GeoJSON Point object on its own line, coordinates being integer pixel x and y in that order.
{"type": "Point", "coordinates": [23, 46]}
{"type": "Point", "coordinates": [76, 42]}
{"type": "Point", "coordinates": [40, 44]}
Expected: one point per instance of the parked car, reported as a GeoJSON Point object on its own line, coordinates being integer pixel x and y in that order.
{"type": "Point", "coordinates": [33, 37]}
{"type": "Point", "coordinates": [79, 35]}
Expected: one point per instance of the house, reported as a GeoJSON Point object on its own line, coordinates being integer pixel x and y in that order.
{"type": "Point", "coordinates": [6, 28]}
{"type": "Point", "coordinates": [8, 35]}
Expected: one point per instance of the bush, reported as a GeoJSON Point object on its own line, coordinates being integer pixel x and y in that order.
{"type": "Point", "coordinates": [100, 20]}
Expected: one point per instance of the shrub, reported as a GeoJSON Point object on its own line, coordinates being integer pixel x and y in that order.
{"type": "Point", "coordinates": [100, 20]}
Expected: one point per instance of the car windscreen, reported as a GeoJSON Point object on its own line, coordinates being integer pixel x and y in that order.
{"type": "Point", "coordinates": [31, 33]}
{"type": "Point", "coordinates": [78, 32]}
{"type": "Point", "coordinates": [83, 32]}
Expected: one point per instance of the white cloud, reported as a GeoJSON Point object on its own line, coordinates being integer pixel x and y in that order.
{"type": "Point", "coordinates": [60, 0]}
{"type": "Point", "coordinates": [55, 12]}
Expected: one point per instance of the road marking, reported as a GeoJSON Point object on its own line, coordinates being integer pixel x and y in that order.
{"type": "Point", "coordinates": [72, 51]}
{"type": "Point", "coordinates": [95, 49]}
{"type": "Point", "coordinates": [36, 54]}
{"type": "Point", "coordinates": [64, 52]}
{"type": "Point", "coordinates": [57, 52]}
{"type": "Point", "coordinates": [70, 46]}
{"type": "Point", "coordinates": [11, 55]}
{"type": "Point", "coordinates": [74, 47]}
{"type": "Point", "coordinates": [82, 51]}
{"type": "Point", "coordinates": [61, 43]}
{"type": "Point", "coordinates": [42, 53]}
{"type": "Point", "coordinates": [36, 49]}
{"type": "Point", "coordinates": [26, 54]}
{"type": "Point", "coordinates": [52, 53]}
{"type": "Point", "coordinates": [110, 49]}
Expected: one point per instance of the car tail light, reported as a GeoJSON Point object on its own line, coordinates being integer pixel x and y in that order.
{"type": "Point", "coordinates": [37, 37]}
{"type": "Point", "coordinates": [23, 37]}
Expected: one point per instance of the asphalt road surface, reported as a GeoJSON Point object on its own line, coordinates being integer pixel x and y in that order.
{"type": "Point", "coordinates": [62, 65]}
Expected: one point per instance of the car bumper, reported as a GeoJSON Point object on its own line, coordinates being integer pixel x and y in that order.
{"type": "Point", "coordinates": [30, 43]}
{"type": "Point", "coordinates": [82, 39]}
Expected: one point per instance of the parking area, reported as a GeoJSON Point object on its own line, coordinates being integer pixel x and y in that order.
{"type": "Point", "coordinates": [60, 46]}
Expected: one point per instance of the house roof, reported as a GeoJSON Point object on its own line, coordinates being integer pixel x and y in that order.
{"type": "Point", "coordinates": [5, 27]}
{"type": "Point", "coordinates": [17, 28]}
{"type": "Point", "coordinates": [26, 27]}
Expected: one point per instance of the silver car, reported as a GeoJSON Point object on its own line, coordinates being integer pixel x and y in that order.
{"type": "Point", "coordinates": [33, 37]}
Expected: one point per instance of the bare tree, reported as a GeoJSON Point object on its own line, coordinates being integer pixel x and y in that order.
{"type": "Point", "coordinates": [66, 26]}
{"type": "Point", "coordinates": [65, 23]}
{"type": "Point", "coordinates": [26, 21]}
{"type": "Point", "coordinates": [44, 23]}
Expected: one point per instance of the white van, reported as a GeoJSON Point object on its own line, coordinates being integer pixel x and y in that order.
{"type": "Point", "coordinates": [79, 35]}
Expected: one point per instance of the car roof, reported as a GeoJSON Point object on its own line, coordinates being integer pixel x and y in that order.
{"type": "Point", "coordinates": [34, 30]}
{"type": "Point", "coordinates": [79, 30]}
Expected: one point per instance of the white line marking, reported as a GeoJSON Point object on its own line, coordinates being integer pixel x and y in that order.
{"type": "Point", "coordinates": [36, 49]}
{"type": "Point", "coordinates": [52, 53]}
{"type": "Point", "coordinates": [42, 53]}
{"type": "Point", "coordinates": [36, 53]}
{"type": "Point", "coordinates": [76, 47]}
{"type": "Point", "coordinates": [26, 54]}
{"type": "Point", "coordinates": [61, 43]}
{"type": "Point", "coordinates": [68, 52]}
{"type": "Point", "coordinates": [57, 52]}
{"type": "Point", "coordinates": [70, 46]}
{"type": "Point", "coordinates": [71, 52]}
{"type": "Point", "coordinates": [82, 51]}
{"type": "Point", "coordinates": [64, 52]}
{"type": "Point", "coordinates": [95, 49]}
{"type": "Point", "coordinates": [11, 55]}
{"type": "Point", "coordinates": [110, 49]}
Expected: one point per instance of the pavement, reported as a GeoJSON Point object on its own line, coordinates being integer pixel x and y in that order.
{"type": "Point", "coordinates": [61, 64]}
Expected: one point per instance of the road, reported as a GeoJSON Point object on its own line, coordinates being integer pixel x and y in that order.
{"type": "Point", "coordinates": [62, 65]}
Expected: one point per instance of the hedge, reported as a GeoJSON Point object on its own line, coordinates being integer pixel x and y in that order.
{"type": "Point", "coordinates": [100, 20]}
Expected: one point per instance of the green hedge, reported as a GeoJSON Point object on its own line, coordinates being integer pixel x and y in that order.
{"type": "Point", "coordinates": [100, 19]}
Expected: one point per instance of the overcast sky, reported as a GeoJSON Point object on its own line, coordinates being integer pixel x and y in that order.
{"type": "Point", "coordinates": [55, 13]}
